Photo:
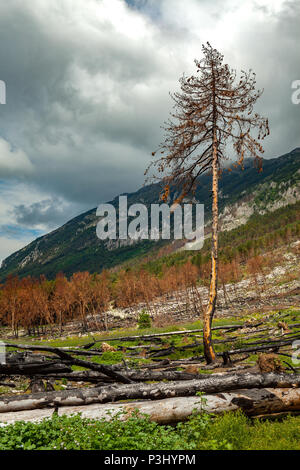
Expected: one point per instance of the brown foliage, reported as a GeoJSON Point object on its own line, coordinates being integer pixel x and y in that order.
{"type": "Point", "coordinates": [34, 303]}
{"type": "Point", "coordinates": [269, 363]}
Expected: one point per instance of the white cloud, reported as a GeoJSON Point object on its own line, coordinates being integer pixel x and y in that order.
{"type": "Point", "coordinates": [13, 163]}
{"type": "Point", "coordinates": [9, 245]}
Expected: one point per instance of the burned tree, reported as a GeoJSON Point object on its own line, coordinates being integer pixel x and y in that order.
{"type": "Point", "coordinates": [212, 114]}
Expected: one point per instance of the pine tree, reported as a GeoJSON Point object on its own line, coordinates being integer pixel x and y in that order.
{"type": "Point", "coordinates": [212, 118]}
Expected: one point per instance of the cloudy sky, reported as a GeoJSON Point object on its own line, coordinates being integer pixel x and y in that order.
{"type": "Point", "coordinates": [87, 88]}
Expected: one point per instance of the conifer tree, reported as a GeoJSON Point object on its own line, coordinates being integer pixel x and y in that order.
{"type": "Point", "coordinates": [212, 119]}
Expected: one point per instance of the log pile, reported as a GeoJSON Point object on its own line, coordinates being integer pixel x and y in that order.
{"type": "Point", "coordinates": [172, 394]}
{"type": "Point", "coordinates": [113, 393]}
{"type": "Point", "coordinates": [254, 402]}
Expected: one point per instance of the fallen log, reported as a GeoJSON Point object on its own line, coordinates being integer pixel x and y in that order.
{"type": "Point", "coordinates": [275, 341]}
{"type": "Point", "coordinates": [136, 375]}
{"type": "Point", "coordinates": [34, 368]}
{"type": "Point", "coordinates": [111, 393]}
{"type": "Point", "coordinates": [271, 345]}
{"type": "Point", "coordinates": [107, 370]}
{"type": "Point", "coordinates": [75, 350]}
{"type": "Point", "coordinates": [141, 376]}
{"type": "Point", "coordinates": [255, 402]}
{"type": "Point", "coordinates": [7, 384]}
{"type": "Point", "coordinates": [171, 333]}
{"type": "Point", "coordinates": [254, 346]}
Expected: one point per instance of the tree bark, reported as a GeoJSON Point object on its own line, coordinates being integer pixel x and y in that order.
{"type": "Point", "coordinates": [136, 375]}
{"type": "Point", "coordinates": [86, 396]}
{"type": "Point", "coordinates": [105, 369]}
{"type": "Point", "coordinates": [171, 333]}
{"type": "Point", "coordinates": [30, 368]}
{"type": "Point", "coordinates": [209, 352]}
{"type": "Point", "coordinates": [274, 345]}
{"type": "Point", "coordinates": [255, 402]}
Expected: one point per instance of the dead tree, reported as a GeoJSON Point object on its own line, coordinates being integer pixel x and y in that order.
{"type": "Point", "coordinates": [212, 111]}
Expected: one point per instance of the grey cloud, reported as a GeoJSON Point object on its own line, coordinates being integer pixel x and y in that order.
{"type": "Point", "coordinates": [274, 61]}
{"type": "Point", "coordinates": [87, 93]}
{"type": "Point", "coordinates": [58, 126]}
{"type": "Point", "coordinates": [49, 214]}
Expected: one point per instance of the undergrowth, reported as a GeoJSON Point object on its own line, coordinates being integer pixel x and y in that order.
{"type": "Point", "coordinates": [231, 431]}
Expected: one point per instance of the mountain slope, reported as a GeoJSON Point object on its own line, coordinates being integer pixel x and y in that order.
{"type": "Point", "coordinates": [75, 246]}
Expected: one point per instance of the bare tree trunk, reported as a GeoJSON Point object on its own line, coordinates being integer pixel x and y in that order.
{"type": "Point", "coordinates": [209, 352]}
{"type": "Point", "coordinates": [105, 321]}
{"type": "Point", "coordinates": [13, 322]}
{"type": "Point", "coordinates": [60, 323]}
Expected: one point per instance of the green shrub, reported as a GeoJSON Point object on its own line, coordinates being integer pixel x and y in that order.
{"type": "Point", "coordinates": [76, 433]}
{"type": "Point", "coordinates": [144, 320]}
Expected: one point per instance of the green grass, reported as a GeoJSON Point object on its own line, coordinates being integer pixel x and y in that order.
{"type": "Point", "coordinates": [244, 434]}
{"type": "Point", "coordinates": [289, 315]}
{"type": "Point", "coordinates": [230, 431]}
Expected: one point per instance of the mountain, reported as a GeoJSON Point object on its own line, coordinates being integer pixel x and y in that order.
{"type": "Point", "coordinates": [75, 246]}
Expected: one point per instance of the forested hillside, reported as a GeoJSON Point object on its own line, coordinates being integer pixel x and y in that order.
{"type": "Point", "coordinates": [75, 246]}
